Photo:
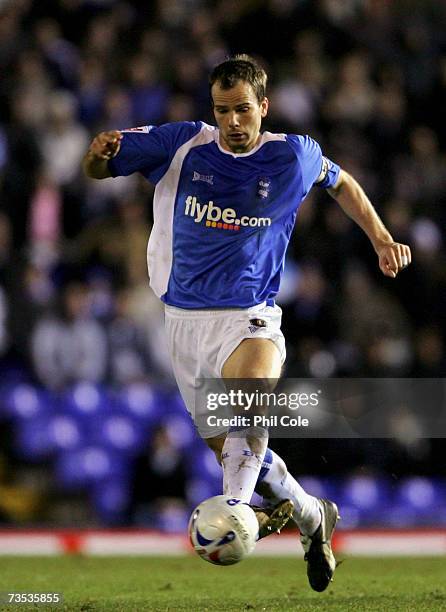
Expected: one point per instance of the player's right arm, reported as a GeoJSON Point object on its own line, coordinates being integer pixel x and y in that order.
{"type": "Point", "coordinates": [103, 147]}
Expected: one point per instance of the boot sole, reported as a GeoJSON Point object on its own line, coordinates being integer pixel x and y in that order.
{"type": "Point", "coordinates": [278, 519]}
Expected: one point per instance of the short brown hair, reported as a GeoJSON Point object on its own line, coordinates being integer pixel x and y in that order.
{"type": "Point", "coordinates": [241, 67]}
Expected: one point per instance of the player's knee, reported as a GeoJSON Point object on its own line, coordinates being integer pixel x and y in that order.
{"type": "Point", "coordinates": [253, 380]}
{"type": "Point", "coordinates": [249, 371]}
{"type": "Point", "coordinates": [263, 375]}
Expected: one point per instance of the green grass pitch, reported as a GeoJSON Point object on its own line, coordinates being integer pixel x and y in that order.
{"type": "Point", "coordinates": [258, 584]}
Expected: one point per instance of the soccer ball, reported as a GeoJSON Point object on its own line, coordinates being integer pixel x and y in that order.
{"type": "Point", "coordinates": [223, 530]}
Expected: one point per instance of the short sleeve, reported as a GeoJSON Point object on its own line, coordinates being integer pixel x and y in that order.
{"type": "Point", "coordinates": [316, 168]}
{"type": "Point", "coordinates": [150, 149]}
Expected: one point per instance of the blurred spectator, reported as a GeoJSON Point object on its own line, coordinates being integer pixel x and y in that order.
{"type": "Point", "coordinates": [61, 56]}
{"type": "Point", "coordinates": [148, 313]}
{"type": "Point", "coordinates": [64, 140]}
{"type": "Point", "coordinates": [63, 143]}
{"type": "Point", "coordinates": [370, 319]}
{"type": "Point", "coordinates": [45, 227]}
{"type": "Point", "coordinates": [420, 173]}
{"type": "Point", "coordinates": [3, 318]}
{"type": "Point", "coordinates": [354, 95]}
{"type": "Point", "coordinates": [69, 346]}
{"type": "Point", "coordinates": [22, 162]}
{"type": "Point", "coordinates": [127, 345]}
{"type": "Point", "coordinates": [32, 296]}
{"type": "Point", "coordinates": [6, 252]}
{"type": "Point", "coordinates": [159, 479]}
{"type": "Point", "coordinates": [118, 242]}
{"type": "Point", "coordinates": [91, 92]}
{"type": "Point", "coordinates": [310, 312]}
{"type": "Point", "coordinates": [148, 95]}
{"type": "Point", "coordinates": [430, 357]}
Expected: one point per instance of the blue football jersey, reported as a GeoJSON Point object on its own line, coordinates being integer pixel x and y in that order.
{"type": "Point", "coordinates": [222, 221]}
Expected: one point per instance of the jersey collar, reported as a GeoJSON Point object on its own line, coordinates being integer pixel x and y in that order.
{"type": "Point", "coordinates": [254, 150]}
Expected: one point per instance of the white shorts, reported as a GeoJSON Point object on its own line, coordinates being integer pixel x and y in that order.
{"type": "Point", "coordinates": [200, 342]}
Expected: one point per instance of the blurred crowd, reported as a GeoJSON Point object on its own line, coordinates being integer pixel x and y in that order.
{"type": "Point", "coordinates": [366, 78]}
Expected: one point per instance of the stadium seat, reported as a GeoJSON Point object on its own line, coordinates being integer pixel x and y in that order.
{"type": "Point", "coordinates": [24, 401]}
{"type": "Point", "coordinates": [84, 400]}
{"type": "Point", "coordinates": [77, 469]}
{"type": "Point", "coordinates": [201, 463]}
{"type": "Point", "coordinates": [111, 501]}
{"type": "Point", "coordinates": [199, 489]}
{"type": "Point", "coordinates": [140, 400]}
{"type": "Point", "coordinates": [180, 429]}
{"type": "Point", "coordinates": [65, 432]}
{"type": "Point", "coordinates": [422, 499]}
{"type": "Point", "coordinates": [32, 441]}
{"type": "Point", "coordinates": [363, 500]}
{"type": "Point", "coordinates": [118, 432]}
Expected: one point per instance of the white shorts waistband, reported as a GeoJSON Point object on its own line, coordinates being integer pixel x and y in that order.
{"type": "Point", "coordinates": [204, 313]}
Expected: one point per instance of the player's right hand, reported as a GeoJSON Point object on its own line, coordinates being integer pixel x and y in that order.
{"type": "Point", "coordinates": [106, 145]}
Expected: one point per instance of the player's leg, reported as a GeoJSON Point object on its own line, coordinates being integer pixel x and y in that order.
{"type": "Point", "coordinates": [316, 518]}
{"type": "Point", "coordinates": [241, 452]}
{"type": "Point", "coordinates": [257, 360]}
{"type": "Point", "coordinates": [271, 519]}
{"type": "Point", "coordinates": [275, 483]}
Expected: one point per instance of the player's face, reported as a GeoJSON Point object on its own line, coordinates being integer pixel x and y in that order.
{"type": "Point", "coordinates": [239, 115]}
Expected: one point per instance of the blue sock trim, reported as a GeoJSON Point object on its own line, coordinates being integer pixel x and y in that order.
{"type": "Point", "coordinates": [267, 462]}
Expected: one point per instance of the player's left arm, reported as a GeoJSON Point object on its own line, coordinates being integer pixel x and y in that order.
{"type": "Point", "coordinates": [392, 256]}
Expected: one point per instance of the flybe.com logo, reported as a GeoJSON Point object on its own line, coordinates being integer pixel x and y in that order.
{"type": "Point", "coordinates": [225, 218]}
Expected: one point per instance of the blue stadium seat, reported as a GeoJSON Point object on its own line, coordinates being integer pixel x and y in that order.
{"type": "Point", "coordinates": [77, 469]}
{"type": "Point", "coordinates": [421, 499]}
{"type": "Point", "coordinates": [85, 400]}
{"type": "Point", "coordinates": [140, 400]}
{"type": "Point", "coordinates": [172, 518]}
{"type": "Point", "coordinates": [201, 463]}
{"type": "Point", "coordinates": [65, 432]}
{"type": "Point", "coordinates": [119, 432]}
{"type": "Point", "coordinates": [25, 401]}
{"type": "Point", "coordinates": [32, 441]}
{"type": "Point", "coordinates": [180, 429]}
{"type": "Point", "coordinates": [364, 500]}
{"type": "Point", "coordinates": [199, 489]}
{"type": "Point", "coordinates": [111, 500]}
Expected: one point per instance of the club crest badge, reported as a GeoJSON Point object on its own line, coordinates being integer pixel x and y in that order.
{"type": "Point", "coordinates": [263, 187]}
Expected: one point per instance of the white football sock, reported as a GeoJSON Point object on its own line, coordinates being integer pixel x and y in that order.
{"type": "Point", "coordinates": [275, 483]}
{"type": "Point", "coordinates": [241, 459]}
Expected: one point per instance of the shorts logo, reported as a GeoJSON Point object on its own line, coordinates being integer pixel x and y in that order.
{"type": "Point", "coordinates": [256, 324]}
{"type": "Point", "coordinates": [226, 218]}
{"type": "Point", "coordinates": [206, 178]}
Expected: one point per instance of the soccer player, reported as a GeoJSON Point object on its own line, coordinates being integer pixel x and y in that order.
{"type": "Point", "coordinates": [225, 204]}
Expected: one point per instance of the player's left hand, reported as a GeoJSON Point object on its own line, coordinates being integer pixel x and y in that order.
{"type": "Point", "coordinates": [393, 258]}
